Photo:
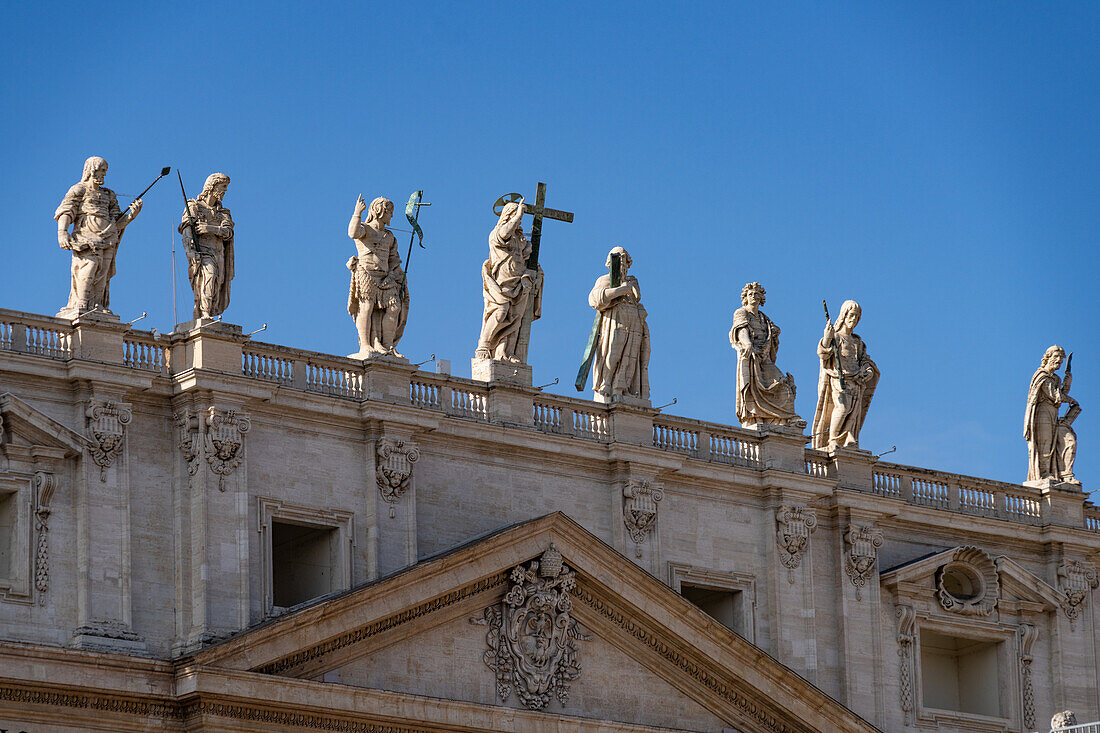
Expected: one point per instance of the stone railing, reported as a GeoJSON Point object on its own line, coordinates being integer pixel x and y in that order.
{"type": "Point", "coordinates": [27, 333]}
{"type": "Point", "coordinates": [958, 493]}
{"type": "Point", "coordinates": [707, 441]}
{"type": "Point", "coordinates": [308, 370]}
{"type": "Point", "coordinates": [817, 464]}
{"type": "Point", "coordinates": [450, 395]}
{"type": "Point", "coordinates": [1092, 518]}
{"type": "Point", "coordinates": [140, 350]}
{"type": "Point", "coordinates": [570, 416]}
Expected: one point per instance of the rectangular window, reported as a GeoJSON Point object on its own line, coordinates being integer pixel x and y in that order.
{"type": "Point", "coordinates": [8, 524]}
{"type": "Point", "coordinates": [961, 674]}
{"type": "Point", "coordinates": [304, 563]}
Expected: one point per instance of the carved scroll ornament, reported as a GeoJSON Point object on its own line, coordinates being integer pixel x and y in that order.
{"type": "Point", "coordinates": [225, 431]}
{"type": "Point", "coordinates": [640, 511]}
{"type": "Point", "coordinates": [794, 526]}
{"type": "Point", "coordinates": [859, 559]}
{"type": "Point", "coordinates": [1076, 579]}
{"type": "Point", "coordinates": [395, 468]}
{"type": "Point", "coordinates": [107, 422]}
{"type": "Point", "coordinates": [532, 636]}
{"type": "Point", "coordinates": [44, 485]}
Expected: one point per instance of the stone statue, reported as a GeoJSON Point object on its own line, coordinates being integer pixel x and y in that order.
{"type": "Point", "coordinates": [1051, 442]}
{"type": "Point", "coordinates": [764, 394]}
{"type": "Point", "coordinates": [841, 412]}
{"type": "Point", "coordinates": [379, 296]}
{"type": "Point", "coordinates": [1064, 719]}
{"type": "Point", "coordinates": [508, 286]}
{"type": "Point", "coordinates": [210, 259]}
{"type": "Point", "coordinates": [97, 226]}
{"type": "Point", "coordinates": [621, 363]}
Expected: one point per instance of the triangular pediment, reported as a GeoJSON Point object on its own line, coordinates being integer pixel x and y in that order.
{"type": "Point", "coordinates": [651, 658]}
{"type": "Point", "coordinates": [23, 425]}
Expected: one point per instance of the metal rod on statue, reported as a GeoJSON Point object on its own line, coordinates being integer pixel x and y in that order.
{"type": "Point", "coordinates": [163, 172]}
{"type": "Point", "coordinates": [175, 315]}
{"type": "Point", "coordinates": [836, 349]}
{"type": "Point", "coordinates": [412, 213]}
{"type": "Point", "coordinates": [594, 334]}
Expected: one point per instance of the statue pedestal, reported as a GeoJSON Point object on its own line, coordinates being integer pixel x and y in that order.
{"type": "Point", "coordinates": [387, 379]}
{"type": "Point", "coordinates": [854, 468]}
{"type": "Point", "coordinates": [782, 447]}
{"type": "Point", "coordinates": [504, 372]}
{"type": "Point", "coordinates": [98, 336]}
{"type": "Point", "coordinates": [621, 399]}
{"type": "Point", "coordinates": [207, 344]}
{"type": "Point", "coordinates": [1060, 502]}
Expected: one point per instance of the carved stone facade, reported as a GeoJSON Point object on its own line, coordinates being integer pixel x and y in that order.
{"type": "Point", "coordinates": [107, 421]}
{"type": "Point", "coordinates": [1028, 634]}
{"type": "Point", "coordinates": [906, 619]}
{"type": "Point", "coordinates": [44, 485]}
{"type": "Point", "coordinates": [532, 636]}
{"type": "Point", "coordinates": [225, 431]}
{"type": "Point", "coordinates": [862, 543]}
{"type": "Point", "coordinates": [968, 583]}
{"type": "Point", "coordinates": [795, 524]}
{"type": "Point", "coordinates": [1076, 579]}
{"type": "Point", "coordinates": [395, 468]}
{"type": "Point", "coordinates": [640, 511]}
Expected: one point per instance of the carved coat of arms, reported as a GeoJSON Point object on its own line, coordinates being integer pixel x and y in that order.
{"type": "Point", "coordinates": [532, 637]}
{"type": "Point", "coordinates": [395, 467]}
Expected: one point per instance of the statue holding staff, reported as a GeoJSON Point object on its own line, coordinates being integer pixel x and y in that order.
{"type": "Point", "coordinates": [764, 394]}
{"type": "Point", "coordinates": [378, 300]}
{"type": "Point", "coordinates": [210, 260]}
{"type": "Point", "coordinates": [508, 287]}
{"type": "Point", "coordinates": [1051, 442]}
{"type": "Point", "coordinates": [846, 383]}
{"type": "Point", "coordinates": [620, 358]}
{"type": "Point", "coordinates": [97, 222]}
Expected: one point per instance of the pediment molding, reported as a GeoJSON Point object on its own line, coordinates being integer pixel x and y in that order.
{"type": "Point", "coordinates": [43, 434]}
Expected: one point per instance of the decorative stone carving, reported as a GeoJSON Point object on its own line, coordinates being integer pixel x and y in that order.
{"type": "Point", "coordinates": [532, 636]}
{"type": "Point", "coordinates": [395, 468]}
{"type": "Point", "coordinates": [189, 439]}
{"type": "Point", "coordinates": [968, 583]}
{"type": "Point", "coordinates": [906, 621]}
{"type": "Point", "coordinates": [841, 412]}
{"type": "Point", "coordinates": [1051, 442]}
{"type": "Point", "coordinates": [1064, 719]}
{"type": "Point", "coordinates": [508, 287]}
{"type": "Point", "coordinates": [859, 559]}
{"type": "Point", "coordinates": [764, 394]}
{"type": "Point", "coordinates": [640, 511]}
{"type": "Point", "coordinates": [225, 431]}
{"type": "Point", "coordinates": [97, 222]}
{"type": "Point", "coordinates": [107, 422]}
{"type": "Point", "coordinates": [210, 261]}
{"type": "Point", "coordinates": [1076, 579]}
{"type": "Point", "coordinates": [1028, 635]}
{"type": "Point", "coordinates": [620, 364]}
{"type": "Point", "coordinates": [44, 485]}
{"type": "Point", "coordinates": [378, 300]}
{"type": "Point", "coordinates": [795, 524]}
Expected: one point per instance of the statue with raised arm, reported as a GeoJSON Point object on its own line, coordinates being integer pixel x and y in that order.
{"type": "Point", "coordinates": [210, 261]}
{"type": "Point", "coordinates": [508, 286]}
{"type": "Point", "coordinates": [764, 394]}
{"type": "Point", "coordinates": [1051, 442]}
{"type": "Point", "coordinates": [97, 222]}
{"type": "Point", "coordinates": [621, 363]}
{"type": "Point", "coordinates": [379, 295]}
{"type": "Point", "coordinates": [846, 383]}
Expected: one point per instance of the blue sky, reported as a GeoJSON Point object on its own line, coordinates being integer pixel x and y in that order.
{"type": "Point", "coordinates": [935, 161]}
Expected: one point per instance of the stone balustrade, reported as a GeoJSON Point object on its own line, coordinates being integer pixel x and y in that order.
{"type": "Point", "coordinates": [29, 334]}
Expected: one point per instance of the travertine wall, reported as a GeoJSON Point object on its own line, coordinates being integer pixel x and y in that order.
{"type": "Point", "coordinates": [165, 553]}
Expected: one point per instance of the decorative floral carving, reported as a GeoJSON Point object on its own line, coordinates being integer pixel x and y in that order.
{"type": "Point", "coordinates": [188, 439]}
{"type": "Point", "coordinates": [906, 621]}
{"type": "Point", "coordinates": [44, 485]}
{"type": "Point", "coordinates": [1077, 579]}
{"type": "Point", "coordinates": [225, 431]}
{"type": "Point", "coordinates": [107, 422]}
{"type": "Point", "coordinates": [1028, 635]}
{"type": "Point", "coordinates": [795, 523]}
{"type": "Point", "coordinates": [532, 637]}
{"type": "Point", "coordinates": [859, 559]}
{"type": "Point", "coordinates": [640, 511]}
{"type": "Point", "coordinates": [395, 468]}
{"type": "Point", "coordinates": [968, 583]}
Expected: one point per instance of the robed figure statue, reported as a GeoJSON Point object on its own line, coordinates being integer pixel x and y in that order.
{"type": "Point", "coordinates": [1051, 442]}
{"type": "Point", "coordinates": [210, 261]}
{"type": "Point", "coordinates": [621, 361]}
{"type": "Point", "coordinates": [508, 287]}
{"type": "Point", "coordinates": [97, 222]}
{"type": "Point", "coordinates": [764, 394]}
{"type": "Point", "coordinates": [844, 388]}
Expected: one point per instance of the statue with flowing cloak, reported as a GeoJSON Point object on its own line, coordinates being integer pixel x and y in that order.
{"type": "Point", "coordinates": [1051, 441]}
{"type": "Point", "coordinates": [764, 394]}
{"type": "Point", "coordinates": [841, 411]}
{"type": "Point", "coordinates": [508, 286]}
{"type": "Point", "coordinates": [621, 363]}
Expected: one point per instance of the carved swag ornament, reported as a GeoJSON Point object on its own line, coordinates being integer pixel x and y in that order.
{"type": "Point", "coordinates": [217, 434]}
{"type": "Point", "coordinates": [794, 525]}
{"type": "Point", "coordinates": [395, 468]}
{"type": "Point", "coordinates": [44, 485]}
{"type": "Point", "coordinates": [859, 559]}
{"type": "Point", "coordinates": [532, 637]}
{"type": "Point", "coordinates": [107, 422]}
{"type": "Point", "coordinates": [640, 511]}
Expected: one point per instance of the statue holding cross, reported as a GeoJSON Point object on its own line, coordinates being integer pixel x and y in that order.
{"type": "Point", "coordinates": [512, 278]}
